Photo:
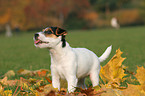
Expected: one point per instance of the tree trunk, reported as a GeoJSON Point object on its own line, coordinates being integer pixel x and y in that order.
{"type": "Point", "coordinates": [8, 31]}
{"type": "Point", "coordinates": [107, 9]}
{"type": "Point", "coordinates": [61, 18]}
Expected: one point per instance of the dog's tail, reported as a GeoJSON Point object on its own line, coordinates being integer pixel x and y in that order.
{"type": "Point", "coordinates": [106, 54]}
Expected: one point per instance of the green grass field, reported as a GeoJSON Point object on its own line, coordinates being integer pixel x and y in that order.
{"type": "Point", "coordinates": [19, 51]}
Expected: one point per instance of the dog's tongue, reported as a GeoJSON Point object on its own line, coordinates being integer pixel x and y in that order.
{"type": "Point", "coordinates": [36, 41]}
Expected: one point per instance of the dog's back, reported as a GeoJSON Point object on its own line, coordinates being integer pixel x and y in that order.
{"type": "Point", "coordinates": [86, 59]}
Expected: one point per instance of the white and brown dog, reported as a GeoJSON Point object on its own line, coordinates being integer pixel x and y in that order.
{"type": "Point", "coordinates": [72, 64]}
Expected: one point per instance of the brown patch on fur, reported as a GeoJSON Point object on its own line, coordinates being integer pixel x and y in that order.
{"type": "Point", "coordinates": [51, 35]}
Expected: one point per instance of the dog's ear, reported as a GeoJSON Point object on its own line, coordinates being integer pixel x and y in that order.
{"type": "Point", "coordinates": [63, 33]}
{"type": "Point", "coordinates": [60, 31]}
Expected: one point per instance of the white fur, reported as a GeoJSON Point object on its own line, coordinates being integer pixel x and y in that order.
{"type": "Point", "coordinates": [114, 23]}
{"type": "Point", "coordinates": [72, 64]}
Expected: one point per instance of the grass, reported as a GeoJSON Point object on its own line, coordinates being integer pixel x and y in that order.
{"type": "Point", "coordinates": [19, 51]}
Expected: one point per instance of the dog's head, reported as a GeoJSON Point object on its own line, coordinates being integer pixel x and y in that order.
{"type": "Point", "coordinates": [50, 37]}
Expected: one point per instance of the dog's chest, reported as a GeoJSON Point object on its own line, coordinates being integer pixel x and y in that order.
{"type": "Point", "coordinates": [61, 71]}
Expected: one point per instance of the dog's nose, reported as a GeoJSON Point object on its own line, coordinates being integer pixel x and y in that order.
{"type": "Point", "coordinates": [36, 36]}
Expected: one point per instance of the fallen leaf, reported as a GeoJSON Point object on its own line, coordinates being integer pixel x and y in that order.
{"type": "Point", "coordinates": [51, 93]}
{"type": "Point", "coordinates": [90, 91]}
{"type": "Point", "coordinates": [48, 79]}
{"type": "Point", "coordinates": [12, 82]}
{"type": "Point", "coordinates": [10, 73]}
{"type": "Point", "coordinates": [32, 80]}
{"type": "Point", "coordinates": [140, 75]}
{"type": "Point", "coordinates": [7, 93]}
{"type": "Point", "coordinates": [41, 73]}
{"type": "Point", "coordinates": [4, 81]}
{"type": "Point", "coordinates": [133, 90]}
{"type": "Point", "coordinates": [113, 71]}
{"type": "Point", "coordinates": [62, 91]}
{"type": "Point", "coordinates": [25, 72]}
{"type": "Point", "coordinates": [1, 88]}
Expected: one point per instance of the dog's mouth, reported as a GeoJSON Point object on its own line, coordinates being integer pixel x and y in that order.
{"type": "Point", "coordinates": [40, 42]}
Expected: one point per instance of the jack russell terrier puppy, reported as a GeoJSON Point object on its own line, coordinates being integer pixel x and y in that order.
{"type": "Point", "coordinates": [72, 64]}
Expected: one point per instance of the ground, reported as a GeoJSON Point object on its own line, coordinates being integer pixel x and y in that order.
{"type": "Point", "coordinates": [19, 51]}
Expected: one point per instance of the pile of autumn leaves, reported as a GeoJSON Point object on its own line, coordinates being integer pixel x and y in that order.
{"type": "Point", "coordinates": [115, 80]}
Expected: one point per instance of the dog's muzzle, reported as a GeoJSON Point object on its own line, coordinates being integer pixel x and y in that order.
{"type": "Point", "coordinates": [36, 36]}
{"type": "Point", "coordinates": [37, 40]}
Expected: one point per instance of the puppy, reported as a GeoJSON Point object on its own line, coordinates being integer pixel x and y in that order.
{"type": "Point", "coordinates": [72, 64]}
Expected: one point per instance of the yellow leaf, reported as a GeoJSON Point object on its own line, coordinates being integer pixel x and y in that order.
{"type": "Point", "coordinates": [34, 92]}
{"type": "Point", "coordinates": [22, 81]}
{"type": "Point", "coordinates": [38, 83]}
{"type": "Point", "coordinates": [25, 86]}
{"type": "Point", "coordinates": [112, 92]}
{"type": "Point", "coordinates": [7, 93]}
{"type": "Point", "coordinates": [137, 90]}
{"type": "Point", "coordinates": [140, 75]}
{"type": "Point", "coordinates": [133, 90]}
{"type": "Point", "coordinates": [32, 80]}
{"type": "Point", "coordinates": [113, 71]}
{"type": "Point", "coordinates": [48, 88]}
{"type": "Point", "coordinates": [1, 89]}
{"type": "Point", "coordinates": [96, 88]}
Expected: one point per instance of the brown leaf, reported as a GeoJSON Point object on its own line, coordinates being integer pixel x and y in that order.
{"type": "Point", "coordinates": [51, 93]}
{"type": "Point", "coordinates": [41, 73]}
{"type": "Point", "coordinates": [40, 89]}
{"type": "Point", "coordinates": [48, 80]}
{"type": "Point", "coordinates": [90, 91]}
{"type": "Point", "coordinates": [63, 91]}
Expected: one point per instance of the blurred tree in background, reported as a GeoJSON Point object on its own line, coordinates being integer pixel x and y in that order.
{"type": "Point", "coordinates": [142, 9]}
{"type": "Point", "coordinates": [109, 6]}
{"type": "Point", "coordinates": [72, 14]}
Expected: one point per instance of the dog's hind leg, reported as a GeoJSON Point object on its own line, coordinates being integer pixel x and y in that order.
{"type": "Point", "coordinates": [81, 83]}
{"type": "Point", "coordinates": [94, 76]}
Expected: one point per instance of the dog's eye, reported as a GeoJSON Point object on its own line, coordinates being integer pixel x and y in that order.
{"type": "Point", "coordinates": [48, 32]}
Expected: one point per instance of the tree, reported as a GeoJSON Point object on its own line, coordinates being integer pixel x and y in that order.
{"type": "Point", "coordinates": [5, 17]}
{"type": "Point", "coordinates": [11, 14]}
{"type": "Point", "coordinates": [142, 7]}
{"type": "Point", "coordinates": [107, 6]}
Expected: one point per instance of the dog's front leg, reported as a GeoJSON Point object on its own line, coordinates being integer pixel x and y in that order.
{"type": "Point", "coordinates": [56, 82]}
{"type": "Point", "coordinates": [72, 83]}
{"type": "Point", "coordinates": [55, 79]}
